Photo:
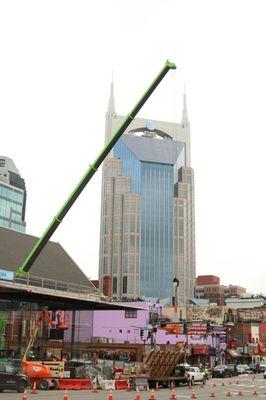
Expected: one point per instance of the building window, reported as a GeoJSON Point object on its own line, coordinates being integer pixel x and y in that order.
{"type": "Point", "coordinates": [124, 264]}
{"type": "Point", "coordinates": [181, 227]}
{"type": "Point", "coordinates": [115, 264]}
{"type": "Point", "coordinates": [105, 265]}
{"type": "Point", "coordinates": [131, 314]}
{"type": "Point", "coordinates": [132, 243]}
{"type": "Point", "coordinates": [132, 224]}
{"type": "Point", "coordinates": [114, 285]}
{"type": "Point", "coordinates": [181, 247]}
{"type": "Point", "coordinates": [124, 284]}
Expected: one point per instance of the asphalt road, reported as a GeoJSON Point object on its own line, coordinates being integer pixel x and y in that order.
{"type": "Point", "coordinates": [246, 384]}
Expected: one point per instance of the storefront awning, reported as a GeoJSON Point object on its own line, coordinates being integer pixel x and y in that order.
{"type": "Point", "coordinates": [233, 353]}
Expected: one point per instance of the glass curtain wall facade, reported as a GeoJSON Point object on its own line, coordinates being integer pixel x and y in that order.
{"type": "Point", "coordinates": [149, 238]}
{"type": "Point", "coordinates": [138, 217]}
{"type": "Point", "coordinates": [12, 196]}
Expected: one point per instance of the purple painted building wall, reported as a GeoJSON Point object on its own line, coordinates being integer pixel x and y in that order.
{"type": "Point", "coordinates": [124, 326]}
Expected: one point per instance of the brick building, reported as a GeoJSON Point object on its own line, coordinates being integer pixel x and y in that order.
{"type": "Point", "coordinates": [209, 287]}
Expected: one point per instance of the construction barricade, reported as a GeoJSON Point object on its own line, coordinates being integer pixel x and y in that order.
{"type": "Point", "coordinates": [74, 384]}
{"type": "Point", "coordinates": [121, 384]}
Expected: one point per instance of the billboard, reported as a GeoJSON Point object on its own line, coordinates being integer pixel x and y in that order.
{"type": "Point", "coordinates": [6, 275]}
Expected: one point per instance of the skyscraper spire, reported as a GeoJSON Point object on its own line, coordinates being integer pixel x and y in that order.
{"type": "Point", "coordinates": [185, 121]}
{"type": "Point", "coordinates": [111, 104]}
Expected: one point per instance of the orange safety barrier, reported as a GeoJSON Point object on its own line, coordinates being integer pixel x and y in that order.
{"type": "Point", "coordinates": [121, 384]}
{"type": "Point", "coordinates": [74, 384]}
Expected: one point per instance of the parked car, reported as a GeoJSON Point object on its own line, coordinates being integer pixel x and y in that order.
{"type": "Point", "coordinates": [243, 369]}
{"type": "Point", "coordinates": [11, 379]}
{"type": "Point", "coordinates": [195, 375]}
{"type": "Point", "coordinates": [222, 371]}
{"type": "Point", "coordinates": [255, 368]}
{"type": "Point", "coordinates": [233, 369]}
{"type": "Point", "coordinates": [181, 375]}
{"type": "Point", "coordinates": [264, 374]}
{"type": "Point", "coordinates": [262, 367]}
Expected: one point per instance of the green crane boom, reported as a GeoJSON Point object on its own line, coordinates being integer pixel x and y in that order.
{"type": "Point", "coordinates": [43, 240]}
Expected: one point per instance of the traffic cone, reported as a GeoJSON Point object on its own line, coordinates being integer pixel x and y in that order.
{"type": "Point", "coordinates": [25, 397]}
{"type": "Point", "coordinates": [94, 388]}
{"type": "Point", "coordinates": [172, 386]}
{"type": "Point", "coordinates": [230, 383]}
{"type": "Point", "coordinates": [228, 394]}
{"type": "Point", "coordinates": [34, 389]}
{"type": "Point", "coordinates": [212, 394]}
{"type": "Point", "coordinates": [110, 397]}
{"type": "Point", "coordinates": [128, 389]}
{"type": "Point", "coordinates": [152, 396]}
{"type": "Point", "coordinates": [65, 396]}
{"type": "Point", "coordinates": [223, 383]}
{"type": "Point", "coordinates": [157, 387]}
{"type": "Point", "coordinates": [138, 396]}
{"type": "Point", "coordinates": [193, 395]}
{"type": "Point", "coordinates": [173, 396]}
{"type": "Point", "coordinates": [240, 393]}
{"type": "Point", "coordinates": [254, 377]}
{"type": "Point", "coordinates": [238, 382]}
{"type": "Point", "coordinates": [255, 392]}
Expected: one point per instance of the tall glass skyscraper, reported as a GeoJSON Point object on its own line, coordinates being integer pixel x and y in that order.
{"type": "Point", "coordinates": [12, 196]}
{"type": "Point", "coordinates": [147, 218]}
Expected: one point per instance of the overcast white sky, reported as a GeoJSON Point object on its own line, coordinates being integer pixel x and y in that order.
{"type": "Point", "coordinates": [57, 59]}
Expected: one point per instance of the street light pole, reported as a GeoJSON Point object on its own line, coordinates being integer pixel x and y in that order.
{"type": "Point", "coordinates": [175, 286]}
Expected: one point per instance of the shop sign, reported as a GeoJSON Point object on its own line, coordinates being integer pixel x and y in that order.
{"type": "Point", "coordinates": [222, 346]}
{"type": "Point", "coordinates": [204, 350]}
{"type": "Point", "coordinates": [6, 275]}
{"type": "Point", "coordinates": [251, 315]}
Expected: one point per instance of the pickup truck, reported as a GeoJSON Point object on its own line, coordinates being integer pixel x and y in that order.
{"type": "Point", "coordinates": [195, 375]}
{"type": "Point", "coordinates": [10, 378]}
